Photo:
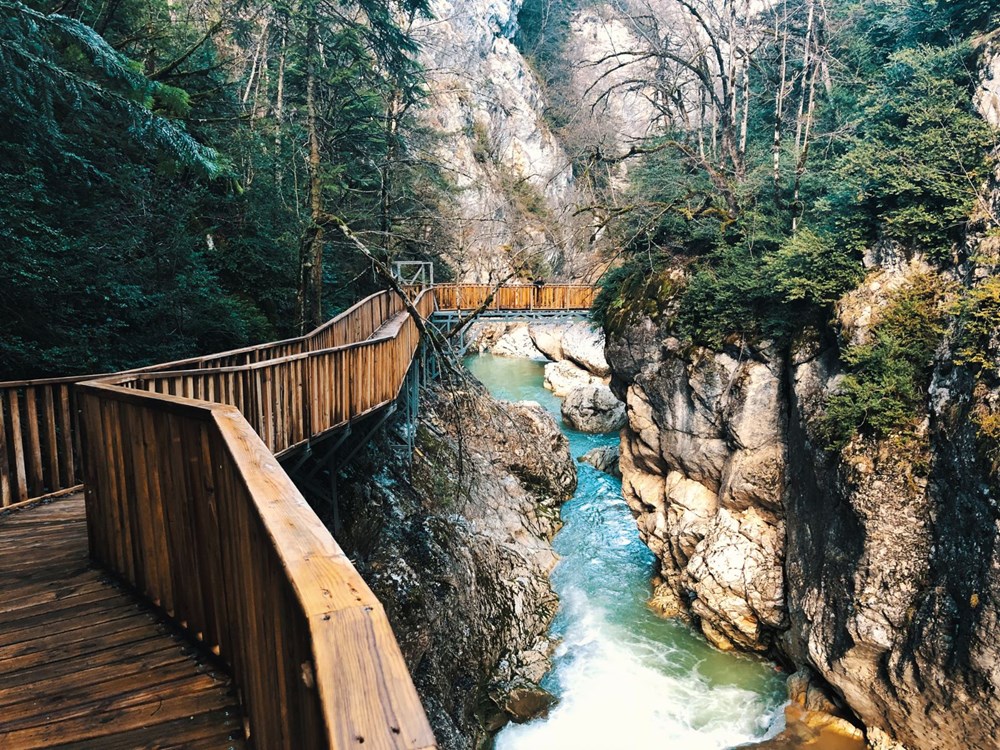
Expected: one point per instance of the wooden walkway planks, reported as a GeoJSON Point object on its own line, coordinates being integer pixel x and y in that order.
{"type": "Point", "coordinates": [84, 664]}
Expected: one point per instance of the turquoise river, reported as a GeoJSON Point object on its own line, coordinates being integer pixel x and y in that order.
{"type": "Point", "coordinates": [625, 678]}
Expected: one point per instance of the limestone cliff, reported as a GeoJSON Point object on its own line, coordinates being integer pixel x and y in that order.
{"type": "Point", "coordinates": [875, 566]}
{"type": "Point", "coordinates": [514, 187]}
{"type": "Point", "coordinates": [516, 200]}
{"type": "Point", "coordinates": [457, 546]}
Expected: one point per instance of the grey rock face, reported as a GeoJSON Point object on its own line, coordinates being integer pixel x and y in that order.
{"type": "Point", "coordinates": [893, 569]}
{"type": "Point", "coordinates": [703, 471]}
{"type": "Point", "coordinates": [459, 553]}
{"type": "Point", "coordinates": [548, 339]}
{"type": "Point", "coordinates": [563, 377]}
{"type": "Point", "coordinates": [502, 339]}
{"type": "Point", "coordinates": [593, 408]}
{"type": "Point", "coordinates": [877, 569]}
{"type": "Point", "coordinates": [584, 345]}
{"type": "Point", "coordinates": [606, 459]}
{"type": "Point", "coordinates": [486, 109]}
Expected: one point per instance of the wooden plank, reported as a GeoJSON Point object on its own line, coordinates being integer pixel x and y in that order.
{"type": "Point", "coordinates": [51, 441]}
{"type": "Point", "coordinates": [6, 495]}
{"type": "Point", "coordinates": [17, 446]}
{"type": "Point", "coordinates": [66, 429]}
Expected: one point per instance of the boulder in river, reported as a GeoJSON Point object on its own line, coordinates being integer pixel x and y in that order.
{"type": "Point", "coordinates": [584, 344]}
{"type": "Point", "coordinates": [563, 377]}
{"type": "Point", "coordinates": [606, 459]}
{"type": "Point", "coordinates": [593, 408]}
{"type": "Point", "coordinates": [503, 340]}
{"type": "Point", "coordinates": [548, 339]}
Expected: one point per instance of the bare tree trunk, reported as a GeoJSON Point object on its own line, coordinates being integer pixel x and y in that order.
{"type": "Point", "coordinates": [257, 62]}
{"type": "Point", "coordinates": [800, 166]}
{"type": "Point", "coordinates": [311, 258]}
{"type": "Point", "coordinates": [806, 63]}
{"type": "Point", "coordinates": [392, 112]}
{"type": "Point", "coordinates": [779, 100]}
{"type": "Point", "coordinates": [279, 108]}
{"type": "Point", "coordinates": [744, 122]}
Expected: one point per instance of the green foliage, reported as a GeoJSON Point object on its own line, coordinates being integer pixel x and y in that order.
{"type": "Point", "coordinates": [124, 239]}
{"type": "Point", "coordinates": [885, 389]}
{"type": "Point", "coordinates": [919, 154]}
{"type": "Point", "coordinates": [813, 269]}
{"type": "Point", "coordinates": [630, 291]}
{"type": "Point", "coordinates": [57, 71]}
{"type": "Point", "coordinates": [980, 312]}
{"type": "Point", "coordinates": [897, 155]}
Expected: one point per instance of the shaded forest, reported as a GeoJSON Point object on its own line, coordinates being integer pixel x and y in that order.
{"type": "Point", "coordinates": [170, 172]}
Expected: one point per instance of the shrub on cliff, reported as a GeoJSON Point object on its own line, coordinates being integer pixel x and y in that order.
{"type": "Point", "coordinates": [885, 388]}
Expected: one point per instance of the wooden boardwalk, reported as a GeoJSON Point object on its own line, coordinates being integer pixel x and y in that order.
{"type": "Point", "coordinates": [187, 504]}
{"type": "Point", "coordinates": [83, 662]}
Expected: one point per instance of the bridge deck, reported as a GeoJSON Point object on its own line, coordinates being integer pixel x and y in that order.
{"type": "Point", "coordinates": [83, 663]}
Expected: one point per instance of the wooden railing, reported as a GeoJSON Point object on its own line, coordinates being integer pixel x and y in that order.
{"type": "Point", "coordinates": [39, 452]}
{"type": "Point", "coordinates": [295, 398]}
{"type": "Point", "coordinates": [186, 502]}
{"type": "Point", "coordinates": [521, 297]}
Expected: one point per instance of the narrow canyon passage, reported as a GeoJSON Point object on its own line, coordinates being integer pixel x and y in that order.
{"type": "Point", "coordinates": [625, 678]}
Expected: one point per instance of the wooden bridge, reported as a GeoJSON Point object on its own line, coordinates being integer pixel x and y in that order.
{"type": "Point", "coordinates": [162, 581]}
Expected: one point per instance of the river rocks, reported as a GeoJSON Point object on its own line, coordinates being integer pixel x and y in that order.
{"type": "Point", "coordinates": [563, 377]}
{"type": "Point", "coordinates": [593, 408]}
{"type": "Point", "coordinates": [547, 338]}
{"type": "Point", "coordinates": [459, 552]}
{"type": "Point", "coordinates": [503, 340]}
{"type": "Point", "coordinates": [577, 345]}
{"type": "Point", "coordinates": [604, 459]}
{"type": "Point", "coordinates": [583, 344]}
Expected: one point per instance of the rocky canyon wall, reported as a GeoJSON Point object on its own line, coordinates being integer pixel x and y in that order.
{"type": "Point", "coordinates": [875, 567]}
{"type": "Point", "coordinates": [518, 207]}
{"type": "Point", "coordinates": [457, 546]}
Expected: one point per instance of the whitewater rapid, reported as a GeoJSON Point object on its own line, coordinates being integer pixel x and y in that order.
{"type": "Point", "coordinates": [625, 678]}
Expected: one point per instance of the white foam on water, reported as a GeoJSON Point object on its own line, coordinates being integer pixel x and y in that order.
{"type": "Point", "coordinates": [613, 695]}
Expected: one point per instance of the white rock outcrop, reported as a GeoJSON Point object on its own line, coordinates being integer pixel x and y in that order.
{"type": "Point", "coordinates": [564, 377]}
{"type": "Point", "coordinates": [514, 187]}
{"type": "Point", "coordinates": [583, 344]}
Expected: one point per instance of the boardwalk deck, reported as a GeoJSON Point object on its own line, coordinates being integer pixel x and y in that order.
{"type": "Point", "coordinates": [83, 662]}
{"type": "Point", "coordinates": [186, 502]}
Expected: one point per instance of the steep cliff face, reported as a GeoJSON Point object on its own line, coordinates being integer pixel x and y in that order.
{"type": "Point", "coordinates": [875, 566]}
{"type": "Point", "coordinates": [516, 202]}
{"type": "Point", "coordinates": [514, 187]}
{"type": "Point", "coordinates": [703, 462]}
{"type": "Point", "coordinates": [458, 549]}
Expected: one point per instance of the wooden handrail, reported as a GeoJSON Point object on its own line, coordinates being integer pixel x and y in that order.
{"type": "Point", "coordinates": [515, 297]}
{"type": "Point", "coordinates": [39, 453]}
{"type": "Point", "coordinates": [187, 503]}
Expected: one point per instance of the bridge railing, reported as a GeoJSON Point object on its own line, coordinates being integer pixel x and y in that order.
{"type": "Point", "coordinates": [294, 398]}
{"type": "Point", "coordinates": [39, 451]}
{"type": "Point", "coordinates": [515, 297]}
{"type": "Point", "coordinates": [38, 443]}
{"type": "Point", "coordinates": [187, 503]}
